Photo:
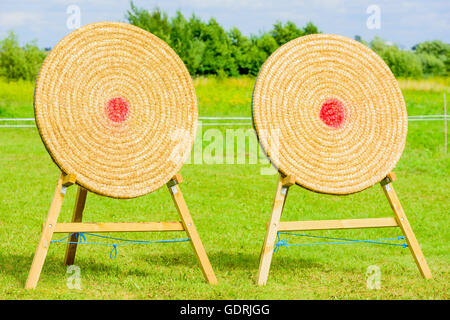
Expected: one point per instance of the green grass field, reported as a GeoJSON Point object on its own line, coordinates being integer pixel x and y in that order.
{"type": "Point", "coordinates": [231, 206]}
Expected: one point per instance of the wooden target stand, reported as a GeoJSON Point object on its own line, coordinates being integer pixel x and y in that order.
{"type": "Point", "coordinates": [51, 226]}
{"type": "Point", "coordinates": [275, 226]}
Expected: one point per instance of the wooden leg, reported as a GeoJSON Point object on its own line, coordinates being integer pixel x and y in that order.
{"type": "Point", "coordinates": [271, 234]}
{"type": "Point", "coordinates": [403, 223]}
{"type": "Point", "coordinates": [191, 231]}
{"type": "Point", "coordinates": [46, 236]}
{"type": "Point", "coordinates": [77, 216]}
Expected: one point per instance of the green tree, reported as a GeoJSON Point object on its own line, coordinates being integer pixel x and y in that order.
{"type": "Point", "coordinates": [432, 65]}
{"type": "Point", "coordinates": [206, 48]}
{"type": "Point", "coordinates": [218, 58]}
{"type": "Point", "coordinates": [189, 47]}
{"type": "Point", "coordinates": [402, 63]}
{"type": "Point", "coordinates": [436, 48]}
{"type": "Point", "coordinates": [378, 45]}
{"type": "Point", "coordinates": [429, 51]}
{"type": "Point", "coordinates": [447, 63]}
{"type": "Point", "coordinates": [360, 39]}
{"type": "Point", "coordinates": [310, 28]}
{"type": "Point", "coordinates": [287, 32]}
{"type": "Point", "coordinates": [19, 62]}
{"type": "Point", "coordinates": [12, 58]}
{"type": "Point", "coordinates": [241, 48]}
{"type": "Point", "coordinates": [155, 21]}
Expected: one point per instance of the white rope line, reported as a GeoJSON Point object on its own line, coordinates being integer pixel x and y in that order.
{"type": "Point", "coordinates": [427, 119]}
{"type": "Point", "coordinates": [226, 124]}
{"type": "Point", "coordinates": [429, 116]}
{"type": "Point", "coordinates": [410, 118]}
{"type": "Point", "coordinates": [224, 118]}
{"type": "Point", "coordinates": [235, 118]}
{"type": "Point", "coordinates": [18, 119]}
{"type": "Point", "coordinates": [18, 126]}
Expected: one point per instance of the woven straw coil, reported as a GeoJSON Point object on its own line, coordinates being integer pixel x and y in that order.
{"type": "Point", "coordinates": [116, 106]}
{"type": "Point", "coordinates": [328, 111]}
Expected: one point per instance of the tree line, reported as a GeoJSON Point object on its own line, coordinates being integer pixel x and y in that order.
{"type": "Point", "coordinates": [208, 49]}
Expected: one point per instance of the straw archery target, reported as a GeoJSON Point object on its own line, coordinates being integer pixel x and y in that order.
{"type": "Point", "coordinates": [116, 106]}
{"type": "Point", "coordinates": [328, 111]}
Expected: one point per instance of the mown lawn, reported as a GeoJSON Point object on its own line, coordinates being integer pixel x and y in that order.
{"type": "Point", "coordinates": [231, 206]}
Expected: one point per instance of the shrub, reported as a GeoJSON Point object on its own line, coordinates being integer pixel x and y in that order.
{"type": "Point", "coordinates": [402, 63]}
{"type": "Point", "coordinates": [431, 65]}
{"type": "Point", "coordinates": [206, 48]}
{"type": "Point", "coordinates": [431, 52]}
{"type": "Point", "coordinates": [19, 62]}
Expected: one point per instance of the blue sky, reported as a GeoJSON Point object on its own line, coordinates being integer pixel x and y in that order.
{"type": "Point", "coordinates": [402, 22]}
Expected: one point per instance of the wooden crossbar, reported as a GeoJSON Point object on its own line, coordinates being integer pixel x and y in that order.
{"type": "Point", "coordinates": [51, 226]}
{"type": "Point", "coordinates": [275, 225]}
{"type": "Point", "coordinates": [337, 224]}
{"type": "Point", "coordinates": [118, 227]}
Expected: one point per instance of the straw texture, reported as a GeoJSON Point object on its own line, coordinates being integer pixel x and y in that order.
{"type": "Point", "coordinates": [328, 111]}
{"type": "Point", "coordinates": [116, 106]}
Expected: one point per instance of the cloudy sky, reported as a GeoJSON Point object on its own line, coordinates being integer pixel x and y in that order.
{"type": "Point", "coordinates": [405, 22]}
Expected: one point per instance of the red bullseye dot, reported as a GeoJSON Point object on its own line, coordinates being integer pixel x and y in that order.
{"type": "Point", "coordinates": [332, 113]}
{"type": "Point", "coordinates": [117, 109]}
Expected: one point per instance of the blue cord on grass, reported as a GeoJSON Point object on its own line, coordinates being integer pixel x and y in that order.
{"type": "Point", "coordinates": [284, 242]}
{"type": "Point", "coordinates": [81, 239]}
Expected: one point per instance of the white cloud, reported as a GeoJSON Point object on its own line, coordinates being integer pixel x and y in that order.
{"type": "Point", "coordinates": [19, 18]}
{"type": "Point", "coordinates": [223, 3]}
{"type": "Point", "coordinates": [403, 21]}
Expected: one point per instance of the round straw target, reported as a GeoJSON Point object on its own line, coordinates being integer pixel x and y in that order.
{"type": "Point", "coordinates": [328, 111]}
{"type": "Point", "coordinates": [116, 106]}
